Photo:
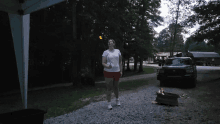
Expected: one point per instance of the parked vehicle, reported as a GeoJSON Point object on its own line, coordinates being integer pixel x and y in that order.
{"type": "Point", "coordinates": [178, 68]}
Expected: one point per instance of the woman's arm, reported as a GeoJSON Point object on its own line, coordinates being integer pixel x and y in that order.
{"type": "Point", "coordinates": [104, 62]}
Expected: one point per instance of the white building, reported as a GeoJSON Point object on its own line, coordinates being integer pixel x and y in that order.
{"type": "Point", "coordinates": [160, 56]}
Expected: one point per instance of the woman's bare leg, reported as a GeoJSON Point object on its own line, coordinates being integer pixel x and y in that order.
{"type": "Point", "coordinates": [116, 89]}
{"type": "Point", "coordinates": [109, 85]}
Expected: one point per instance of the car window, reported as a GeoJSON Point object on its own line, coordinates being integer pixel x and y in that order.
{"type": "Point", "coordinates": [178, 62]}
{"type": "Point", "coordinates": [186, 61]}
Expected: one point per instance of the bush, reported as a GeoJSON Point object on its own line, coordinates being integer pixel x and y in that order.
{"type": "Point", "coordinates": [86, 77]}
{"type": "Point", "coordinates": [87, 81]}
{"type": "Point", "coordinates": [42, 76]}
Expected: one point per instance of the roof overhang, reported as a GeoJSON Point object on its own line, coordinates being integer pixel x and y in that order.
{"type": "Point", "coordinates": [23, 7]}
{"type": "Point", "coordinates": [205, 55]}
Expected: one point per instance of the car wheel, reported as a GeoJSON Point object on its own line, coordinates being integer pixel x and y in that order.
{"type": "Point", "coordinates": [162, 84]}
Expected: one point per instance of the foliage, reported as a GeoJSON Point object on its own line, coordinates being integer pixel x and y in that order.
{"type": "Point", "coordinates": [52, 46]}
{"type": "Point", "coordinates": [179, 10]}
{"type": "Point", "coordinates": [165, 43]}
{"type": "Point", "coordinates": [198, 46]}
{"type": "Point", "coordinates": [207, 15]}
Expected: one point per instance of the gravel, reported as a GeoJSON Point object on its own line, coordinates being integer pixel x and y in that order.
{"type": "Point", "coordinates": [135, 108]}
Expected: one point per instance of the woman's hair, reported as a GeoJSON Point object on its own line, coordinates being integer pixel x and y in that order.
{"type": "Point", "coordinates": [112, 41]}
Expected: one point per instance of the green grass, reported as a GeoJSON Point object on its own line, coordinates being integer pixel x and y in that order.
{"type": "Point", "coordinates": [149, 70]}
{"type": "Point", "coordinates": [68, 102]}
{"type": "Point", "coordinates": [63, 100]}
{"type": "Point", "coordinates": [130, 85]}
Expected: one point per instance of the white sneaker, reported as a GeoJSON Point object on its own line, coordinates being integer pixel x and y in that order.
{"type": "Point", "coordinates": [118, 102]}
{"type": "Point", "coordinates": [109, 107]}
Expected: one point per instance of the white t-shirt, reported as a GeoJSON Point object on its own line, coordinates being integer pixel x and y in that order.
{"type": "Point", "coordinates": [113, 58]}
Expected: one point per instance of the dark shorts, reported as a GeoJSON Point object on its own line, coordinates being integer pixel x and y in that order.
{"type": "Point", "coordinates": [114, 75]}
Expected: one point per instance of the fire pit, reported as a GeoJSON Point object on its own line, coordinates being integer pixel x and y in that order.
{"type": "Point", "coordinates": [167, 98]}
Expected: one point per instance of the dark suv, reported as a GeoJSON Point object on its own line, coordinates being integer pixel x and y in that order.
{"type": "Point", "coordinates": [178, 68]}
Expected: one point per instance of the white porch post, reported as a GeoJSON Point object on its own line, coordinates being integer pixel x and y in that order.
{"type": "Point", "coordinates": [20, 26]}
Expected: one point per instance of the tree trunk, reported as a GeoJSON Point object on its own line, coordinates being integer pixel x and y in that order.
{"type": "Point", "coordinates": [61, 68]}
{"type": "Point", "coordinates": [128, 67]}
{"type": "Point", "coordinates": [92, 62]}
{"type": "Point", "coordinates": [171, 44]}
{"type": "Point", "coordinates": [79, 65]}
{"type": "Point", "coordinates": [141, 65]}
{"type": "Point", "coordinates": [93, 67]}
{"type": "Point", "coordinates": [73, 61]}
{"type": "Point", "coordinates": [76, 59]}
{"type": "Point", "coordinates": [135, 62]}
{"type": "Point", "coordinates": [62, 80]}
{"type": "Point", "coordinates": [123, 64]}
{"type": "Point", "coordinates": [122, 56]}
{"type": "Point", "coordinates": [73, 70]}
{"type": "Point", "coordinates": [74, 19]}
{"type": "Point", "coordinates": [142, 25]}
{"type": "Point", "coordinates": [174, 39]}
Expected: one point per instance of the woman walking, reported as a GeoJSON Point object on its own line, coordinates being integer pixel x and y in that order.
{"type": "Point", "coordinates": [112, 62]}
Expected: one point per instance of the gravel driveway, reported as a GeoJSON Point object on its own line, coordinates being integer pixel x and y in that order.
{"type": "Point", "coordinates": [137, 107]}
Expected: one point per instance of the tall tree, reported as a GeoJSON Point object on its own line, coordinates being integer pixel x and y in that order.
{"type": "Point", "coordinates": [191, 45]}
{"type": "Point", "coordinates": [77, 23]}
{"type": "Point", "coordinates": [165, 38]}
{"type": "Point", "coordinates": [175, 31]}
{"type": "Point", "coordinates": [146, 16]}
{"type": "Point", "coordinates": [179, 11]}
{"type": "Point", "coordinates": [207, 15]}
{"type": "Point", "coordinates": [57, 32]}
